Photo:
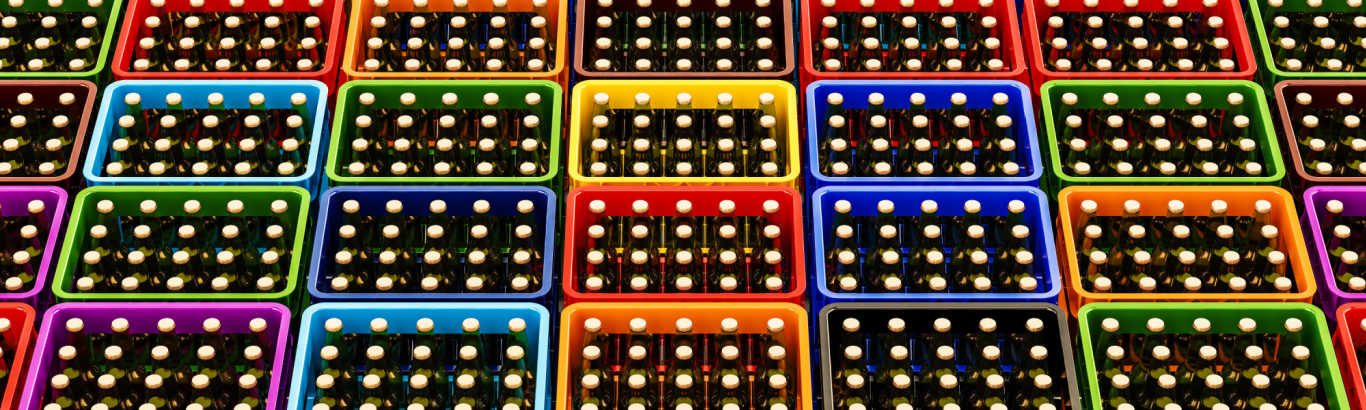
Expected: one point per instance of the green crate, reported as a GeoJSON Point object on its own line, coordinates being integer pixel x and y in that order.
{"type": "Point", "coordinates": [1173, 96]}
{"type": "Point", "coordinates": [429, 95]}
{"type": "Point", "coordinates": [170, 199]}
{"type": "Point", "coordinates": [1260, 13]}
{"type": "Point", "coordinates": [108, 12]}
{"type": "Point", "coordinates": [1179, 318]}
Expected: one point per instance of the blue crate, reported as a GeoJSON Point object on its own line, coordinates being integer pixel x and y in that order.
{"type": "Point", "coordinates": [194, 94]}
{"type": "Point", "coordinates": [402, 318]}
{"type": "Point", "coordinates": [459, 200]}
{"type": "Point", "coordinates": [907, 200]}
{"type": "Point", "coordinates": [897, 96]}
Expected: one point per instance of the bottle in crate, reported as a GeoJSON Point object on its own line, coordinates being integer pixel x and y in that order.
{"type": "Point", "coordinates": [444, 131]}
{"type": "Point", "coordinates": [1309, 39]}
{"type": "Point", "coordinates": [61, 110]}
{"type": "Point", "coordinates": [1334, 230]}
{"type": "Point", "coordinates": [58, 39]}
{"type": "Point", "coordinates": [1137, 39]}
{"type": "Point", "coordinates": [183, 243]}
{"type": "Point", "coordinates": [1321, 122]}
{"type": "Point", "coordinates": [666, 132]}
{"type": "Point", "coordinates": [32, 219]}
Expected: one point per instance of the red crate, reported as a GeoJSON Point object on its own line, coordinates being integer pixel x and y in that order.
{"type": "Point", "coordinates": [329, 11]}
{"type": "Point", "coordinates": [1349, 337]}
{"type": "Point", "coordinates": [662, 201]}
{"type": "Point", "coordinates": [19, 339]}
{"type": "Point", "coordinates": [1012, 49]}
{"type": "Point", "coordinates": [1037, 12]}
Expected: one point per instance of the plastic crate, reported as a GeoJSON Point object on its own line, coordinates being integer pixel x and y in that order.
{"type": "Point", "coordinates": [753, 320]}
{"type": "Point", "coordinates": [749, 62]}
{"type": "Point", "coordinates": [1175, 98]}
{"type": "Point", "coordinates": [745, 96]}
{"type": "Point", "coordinates": [448, 318]}
{"type": "Point", "coordinates": [1325, 103]}
{"type": "Point", "coordinates": [430, 97]}
{"type": "Point", "coordinates": [416, 202]}
{"type": "Point", "coordinates": [1037, 12]}
{"type": "Point", "coordinates": [909, 202]}
{"type": "Point", "coordinates": [919, 321]}
{"type": "Point", "coordinates": [1319, 227]}
{"type": "Point", "coordinates": [1226, 325]}
{"type": "Point", "coordinates": [145, 319]}
{"type": "Point", "coordinates": [1347, 342]}
{"type": "Point", "coordinates": [213, 202]}
{"type": "Point", "coordinates": [1263, 20]}
{"type": "Point", "coordinates": [15, 202]}
{"type": "Point", "coordinates": [155, 99]}
{"type": "Point", "coordinates": [664, 203]}
{"type": "Point", "coordinates": [1010, 52]}
{"type": "Point", "coordinates": [171, 15]}
{"type": "Point", "coordinates": [363, 12]}
{"type": "Point", "coordinates": [107, 15]}
{"type": "Point", "coordinates": [18, 340]}
{"type": "Point", "coordinates": [1154, 203]}
{"type": "Point", "coordinates": [938, 95]}
{"type": "Point", "coordinates": [72, 99]}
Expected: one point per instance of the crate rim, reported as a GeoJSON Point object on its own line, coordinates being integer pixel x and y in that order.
{"type": "Point", "coordinates": [69, 256]}
{"type": "Point", "coordinates": [343, 109]}
{"type": "Point", "coordinates": [1288, 130]}
{"type": "Point", "coordinates": [577, 178]}
{"type": "Point", "coordinates": [295, 397]}
{"type": "Point", "coordinates": [575, 297]}
{"type": "Point", "coordinates": [95, 152]}
{"type": "Point", "coordinates": [48, 266]}
{"type": "Point", "coordinates": [1350, 360]}
{"type": "Point", "coordinates": [1270, 141]}
{"type": "Point", "coordinates": [548, 262]}
{"type": "Point", "coordinates": [1301, 265]}
{"type": "Point", "coordinates": [813, 140]}
{"type": "Point", "coordinates": [1050, 250]}
{"type": "Point", "coordinates": [31, 402]}
{"type": "Point", "coordinates": [1264, 50]}
{"type": "Point", "coordinates": [18, 368]}
{"type": "Point", "coordinates": [1334, 386]}
{"type": "Point", "coordinates": [82, 130]}
{"type": "Point", "coordinates": [1313, 228]}
{"type": "Point", "coordinates": [106, 48]}
{"type": "Point", "coordinates": [1065, 341]}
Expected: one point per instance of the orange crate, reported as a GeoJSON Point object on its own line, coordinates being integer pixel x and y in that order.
{"type": "Point", "coordinates": [1153, 202]}
{"type": "Point", "coordinates": [661, 319]}
{"type": "Point", "coordinates": [362, 11]}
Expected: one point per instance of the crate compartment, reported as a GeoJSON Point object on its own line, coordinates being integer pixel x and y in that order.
{"type": "Point", "coordinates": [1347, 342]}
{"type": "Point", "coordinates": [1343, 16]}
{"type": "Point", "coordinates": [67, 56]}
{"type": "Point", "coordinates": [18, 341]}
{"type": "Point", "coordinates": [223, 269]}
{"type": "Point", "coordinates": [305, 40]}
{"type": "Point", "coordinates": [683, 39]}
{"type": "Point", "coordinates": [1210, 274]}
{"type": "Point", "coordinates": [903, 113]}
{"type": "Point", "coordinates": [434, 264]}
{"type": "Point", "coordinates": [702, 273]}
{"type": "Point", "coordinates": [985, 33]}
{"type": "Point", "coordinates": [1231, 115]}
{"type": "Point", "coordinates": [758, 147]}
{"type": "Point", "coordinates": [758, 327]}
{"type": "Point", "coordinates": [32, 221]}
{"type": "Point", "coordinates": [475, 55]}
{"type": "Point", "coordinates": [1120, 56]}
{"type": "Point", "coordinates": [138, 328]}
{"type": "Point", "coordinates": [1168, 333]}
{"type": "Point", "coordinates": [404, 329]}
{"type": "Point", "coordinates": [207, 126]}
{"type": "Point", "coordinates": [1333, 229]}
{"type": "Point", "coordinates": [925, 222]}
{"type": "Point", "coordinates": [1029, 347]}
{"type": "Point", "coordinates": [62, 106]}
{"type": "Point", "coordinates": [1329, 112]}
{"type": "Point", "coordinates": [447, 150]}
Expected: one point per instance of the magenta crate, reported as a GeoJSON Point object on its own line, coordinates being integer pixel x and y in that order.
{"type": "Point", "coordinates": [143, 318]}
{"type": "Point", "coordinates": [1326, 247]}
{"type": "Point", "coordinates": [15, 203]}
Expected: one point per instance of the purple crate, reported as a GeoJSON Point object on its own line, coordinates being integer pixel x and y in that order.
{"type": "Point", "coordinates": [1331, 294]}
{"type": "Point", "coordinates": [143, 318]}
{"type": "Point", "coordinates": [14, 202]}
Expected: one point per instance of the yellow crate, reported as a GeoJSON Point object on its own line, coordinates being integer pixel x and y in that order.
{"type": "Point", "coordinates": [745, 95]}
